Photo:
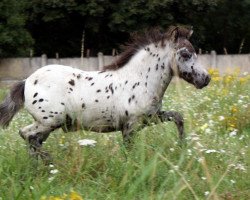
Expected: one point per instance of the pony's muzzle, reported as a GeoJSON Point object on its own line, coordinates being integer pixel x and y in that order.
{"type": "Point", "coordinates": [203, 83]}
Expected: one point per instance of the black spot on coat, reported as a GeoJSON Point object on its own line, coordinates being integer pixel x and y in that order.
{"type": "Point", "coordinates": [126, 112]}
{"type": "Point", "coordinates": [111, 88]}
{"type": "Point", "coordinates": [78, 76]}
{"type": "Point", "coordinates": [72, 82]}
{"type": "Point", "coordinates": [35, 95]}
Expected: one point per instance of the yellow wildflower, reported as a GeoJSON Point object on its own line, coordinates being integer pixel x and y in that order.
{"type": "Point", "coordinates": [216, 78]}
{"type": "Point", "coordinates": [234, 109]}
{"type": "Point", "coordinates": [72, 196]}
{"type": "Point", "coordinates": [75, 196]}
{"type": "Point", "coordinates": [228, 79]}
{"type": "Point", "coordinates": [213, 72]}
{"type": "Point", "coordinates": [62, 140]}
{"type": "Point", "coordinates": [204, 127]}
{"type": "Point", "coordinates": [242, 79]}
{"type": "Point", "coordinates": [51, 198]}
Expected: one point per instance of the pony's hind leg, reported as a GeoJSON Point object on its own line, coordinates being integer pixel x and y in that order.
{"type": "Point", "coordinates": [35, 134]}
{"type": "Point", "coordinates": [176, 117]}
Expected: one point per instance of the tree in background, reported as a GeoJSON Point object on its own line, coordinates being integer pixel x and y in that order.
{"type": "Point", "coordinates": [15, 39]}
{"type": "Point", "coordinates": [58, 25]}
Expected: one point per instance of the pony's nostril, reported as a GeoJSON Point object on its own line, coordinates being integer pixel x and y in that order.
{"type": "Point", "coordinates": [207, 80]}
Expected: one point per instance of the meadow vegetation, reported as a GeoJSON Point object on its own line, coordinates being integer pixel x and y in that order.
{"type": "Point", "coordinates": [212, 164]}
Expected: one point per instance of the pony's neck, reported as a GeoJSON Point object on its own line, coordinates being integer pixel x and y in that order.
{"type": "Point", "coordinates": [152, 64]}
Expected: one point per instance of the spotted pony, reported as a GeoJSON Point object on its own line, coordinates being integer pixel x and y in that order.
{"type": "Point", "coordinates": [126, 93]}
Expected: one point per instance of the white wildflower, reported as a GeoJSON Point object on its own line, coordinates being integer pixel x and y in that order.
{"type": "Point", "coordinates": [242, 137]}
{"type": "Point", "coordinates": [31, 187]}
{"type": "Point", "coordinates": [240, 101]}
{"type": "Point", "coordinates": [233, 133]}
{"type": "Point", "coordinates": [54, 171]}
{"type": "Point", "coordinates": [51, 179]}
{"type": "Point", "coordinates": [211, 122]}
{"type": "Point", "coordinates": [171, 149]}
{"type": "Point", "coordinates": [221, 118]}
{"type": "Point", "coordinates": [51, 166]}
{"type": "Point", "coordinates": [240, 166]}
{"type": "Point", "coordinates": [208, 130]}
{"type": "Point", "coordinates": [86, 142]}
{"type": "Point", "coordinates": [206, 193]}
{"type": "Point", "coordinates": [203, 178]}
{"type": "Point", "coordinates": [211, 151]}
{"type": "Point", "coordinates": [232, 181]}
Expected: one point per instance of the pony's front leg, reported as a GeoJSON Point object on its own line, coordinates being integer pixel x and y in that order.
{"type": "Point", "coordinates": [176, 117]}
{"type": "Point", "coordinates": [129, 128]}
{"type": "Point", "coordinates": [35, 134]}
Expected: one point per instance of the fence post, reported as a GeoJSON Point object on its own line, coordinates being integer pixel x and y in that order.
{"type": "Point", "coordinates": [200, 51]}
{"type": "Point", "coordinates": [213, 59]}
{"type": "Point", "coordinates": [43, 60]}
{"type": "Point", "coordinates": [100, 61]}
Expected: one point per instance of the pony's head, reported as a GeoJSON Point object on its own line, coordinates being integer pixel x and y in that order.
{"type": "Point", "coordinates": [185, 64]}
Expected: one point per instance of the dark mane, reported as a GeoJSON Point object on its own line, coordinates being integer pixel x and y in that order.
{"type": "Point", "coordinates": [137, 41]}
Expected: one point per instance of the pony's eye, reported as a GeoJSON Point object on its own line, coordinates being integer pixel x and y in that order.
{"type": "Point", "coordinates": [185, 55]}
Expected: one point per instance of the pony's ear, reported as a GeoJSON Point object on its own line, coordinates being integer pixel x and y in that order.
{"type": "Point", "coordinates": [175, 34]}
{"type": "Point", "coordinates": [190, 32]}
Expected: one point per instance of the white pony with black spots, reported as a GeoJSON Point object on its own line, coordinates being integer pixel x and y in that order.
{"type": "Point", "coordinates": [126, 93]}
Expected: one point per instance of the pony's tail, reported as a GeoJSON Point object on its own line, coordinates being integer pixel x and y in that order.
{"type": "Point", "coordinates": [12, 103]}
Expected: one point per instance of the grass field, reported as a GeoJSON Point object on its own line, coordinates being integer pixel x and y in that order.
{"type": "Point", "coordinates": [214, 163]}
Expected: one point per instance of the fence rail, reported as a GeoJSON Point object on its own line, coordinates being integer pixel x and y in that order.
{"type": "Point", "coordinates": [13, 69]}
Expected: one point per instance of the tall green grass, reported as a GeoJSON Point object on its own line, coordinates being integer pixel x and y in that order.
{"type": "Point", "coordinates": [213, 164]}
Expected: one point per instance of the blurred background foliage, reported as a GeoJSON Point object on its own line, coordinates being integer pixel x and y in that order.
{"type": "Point", "coordinates": [50, 26]}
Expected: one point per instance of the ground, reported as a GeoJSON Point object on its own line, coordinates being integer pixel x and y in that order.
{"type": "Point", "coordinates": [213, 164]}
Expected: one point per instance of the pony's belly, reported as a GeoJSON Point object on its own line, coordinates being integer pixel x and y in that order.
{"type": "Point", "coordinates": [99, 126]}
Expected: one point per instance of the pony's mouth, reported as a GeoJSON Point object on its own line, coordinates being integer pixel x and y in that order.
{"type": "Point", "coordinates": [200, 83]}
